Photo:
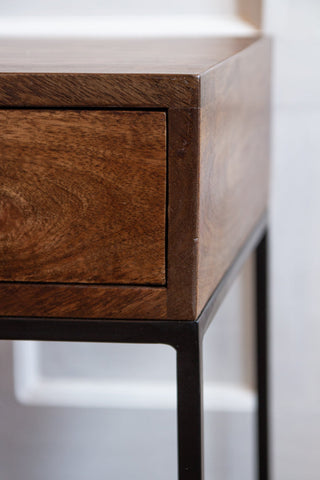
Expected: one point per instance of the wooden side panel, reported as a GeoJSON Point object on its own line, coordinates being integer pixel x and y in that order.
{"type": "Point", "coordinates": [234, 160]}
{"type": "Point", "coordinates": [83, 196]}
{"type": "Point", "coordinates": [183, 164]}
{"type": "Point", "coordinates": [82, 301]}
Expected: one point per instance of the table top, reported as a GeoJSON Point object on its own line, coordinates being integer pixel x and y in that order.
{"type": "Point", "coordinates": [188, 56]}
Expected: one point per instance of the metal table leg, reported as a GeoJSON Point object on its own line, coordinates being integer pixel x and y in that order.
{"type": "Point", "coordinates": [189, 377]}
{"type": "Point", "coordinates": [190, 406]}
{"type": "Point", "coordinates": [262, 355]}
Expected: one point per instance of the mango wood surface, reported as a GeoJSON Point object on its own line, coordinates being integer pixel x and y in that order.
{"type": "Point", "coordinates": [215, 93]}
{"type": "Point", "coordinates": [82, 301]}
{"type": "Point", "coordinates": [82, 196]}
{"type": "Point", "coordinates": [109, 73]}
{"type": "Point", "coordinates": [234, 161]}
{"type": "Point", "coordinates": [181, 56]}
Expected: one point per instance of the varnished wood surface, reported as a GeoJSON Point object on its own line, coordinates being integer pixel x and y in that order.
{"type": "Point", "coordinates": [183, 160]}
{"type": "Point", "coordinates": [79, 301]}
{"type": "Point", "coordinates": [177, 56]}
{"type": "Point", "coordinates": [234, 160]}
{"type": "Point", "coordinates": [216, 96]}
{"type": "Point", "coordinates": [98, 90]}
{"type": "Point", "coordinates": [130, 73]}
{"type": "Point", "coordinates": [82, 196]}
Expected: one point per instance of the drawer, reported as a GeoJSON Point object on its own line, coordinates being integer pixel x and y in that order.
{"type": "Point", "coordinates": [83, 196]}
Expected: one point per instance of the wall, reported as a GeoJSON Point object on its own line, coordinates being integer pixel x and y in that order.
{"type": "Point", "coordinates": [295, 204]}
{"type": "Point", "coordinates": [120, 7]}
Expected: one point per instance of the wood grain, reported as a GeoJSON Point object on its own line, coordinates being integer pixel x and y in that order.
{"type": "Point", "coordinates": [234, 160]}
{"type": "Point", "coordinates": [133, 56]}
{"type": "Point", "coordinates": [82, 301]}
{"type": "Point", "coordinates": [183, 158]}
{"type": "Point", "coordinates": [153, 73]}
{"type": "Point", "coordinates": [82, 196]}
{"type": "Point", "coordinates": [97, 90]}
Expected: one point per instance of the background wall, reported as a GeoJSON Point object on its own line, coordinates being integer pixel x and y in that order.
{"type": "Point", "coordinates": [77, 442]}
{"type": "Point", "coordinates": [120, 7]}
{"type": "Point", "coordinates": [295, 205]}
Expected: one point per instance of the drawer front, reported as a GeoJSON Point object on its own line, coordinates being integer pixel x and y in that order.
{"type": "Point", "coordinates": [83, 196]}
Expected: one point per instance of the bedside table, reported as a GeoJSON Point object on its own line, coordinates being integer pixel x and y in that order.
{"type": "Point", "coordinates": [133, 186]}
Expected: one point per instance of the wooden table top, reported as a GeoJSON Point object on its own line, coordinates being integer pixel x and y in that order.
{"type": "Point", "coordinates": [189, 56]}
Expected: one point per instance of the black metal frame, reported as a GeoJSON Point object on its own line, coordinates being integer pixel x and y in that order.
{"type": "Point", "coordinates": [186, 337]}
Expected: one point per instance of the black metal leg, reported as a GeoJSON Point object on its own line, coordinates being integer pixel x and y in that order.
{"type": "Point", "coordinates": [190, 406]}
{"type": "Point", "coordinates": [262, 356]}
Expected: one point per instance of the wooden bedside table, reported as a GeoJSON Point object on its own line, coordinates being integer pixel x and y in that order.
{"type": "Point", "coordinates": [133, 185]}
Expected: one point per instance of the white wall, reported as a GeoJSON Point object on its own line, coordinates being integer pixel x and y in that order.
{"type": "Point", "coordinates": [119, 7]}
{"type": "Point", "coordinates": [295, 204]}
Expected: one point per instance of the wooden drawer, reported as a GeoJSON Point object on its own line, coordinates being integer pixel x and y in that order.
{"type": "Point", "coordinates": [82, 196]}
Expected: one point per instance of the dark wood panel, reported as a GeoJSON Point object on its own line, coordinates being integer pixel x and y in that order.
{"type": "Point", "coordinates": [183, 158]}
{"type": "Point", "coordinates": [134, 73]}
{"type": "Point", "coordinates": [234, 160]}
{"type": "Point", "coordinates": [97, 90]}
{"type": "Point", "coordinates": [77, 301]}
{"type": "Point", "coordinates": [177, 56]}
{"type": "Point", "coordinates": [83, 196]}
